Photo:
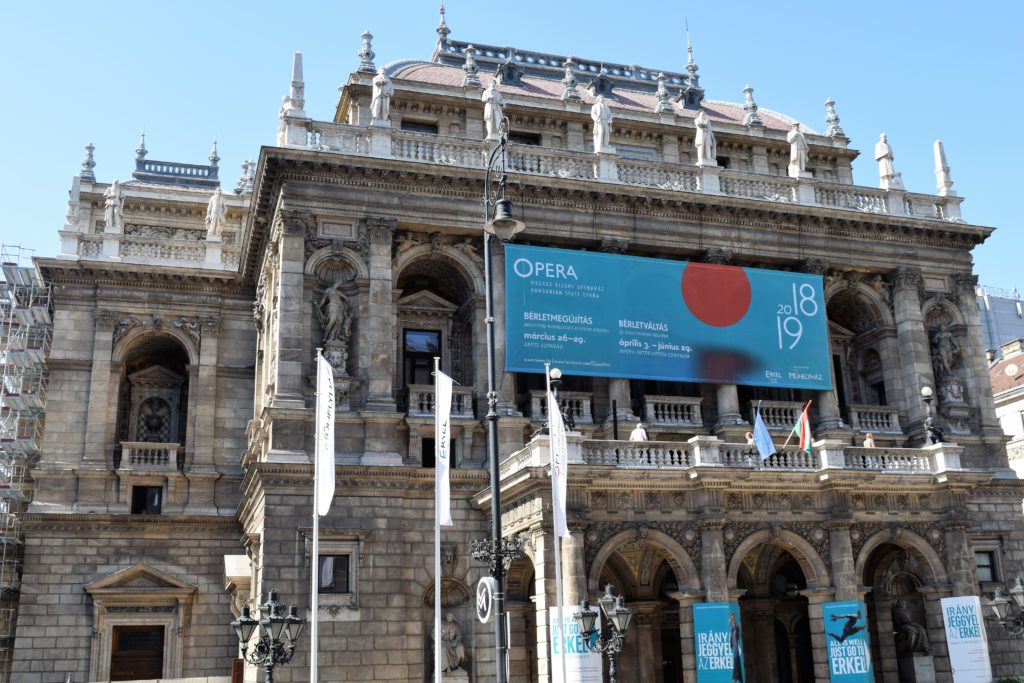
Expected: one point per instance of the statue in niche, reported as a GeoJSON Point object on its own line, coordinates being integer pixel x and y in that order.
{"type": "Point", "coordinates": [216, 214]}
{"type": "Point", "coordinates": [707, 150]}
{"type": "Point", "coordinates": [112, 208]}
{"type": "Point", "coordinates": [453, 651]}
{"type": "Point", "coordinates": [335, 316]}
{"type": "Point", "coordinates": [380, 102]}
{"type": "Point", "coordinates": [946, 351]}
{"type": "Point", "coordinates": [494, 107]}
{"type": "Point", "coordinates": [797, 152]}
{"type": "Point", "coordinates": [911, 636]}
{"type": "Point", "coordinates": [601, 113]}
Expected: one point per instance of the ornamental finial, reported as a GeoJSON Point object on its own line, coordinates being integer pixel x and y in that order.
{"type": "Point", "coordinates": [88, 163]}
{"type": "Point", "coordinates": [141, 151]}
{"type": "Point", "coordinates": [569, 82]}
{"type": "Point", "coordinates": [214, 158]}
{"type": "Point", "coordinates": [751, 118]}
{"type": "Point", "coordinates": [366, 54]}
{"type": "Point", "coordinates": [664, 103]}
{"type": "Point", "coordinates": [442, 28]}
{"type": "Point", "coordinates": [832, 119]}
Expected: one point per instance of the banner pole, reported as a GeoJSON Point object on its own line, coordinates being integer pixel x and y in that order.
{"type": "Point", "coordinates": [314, 596]}
{"type": "Point", "coordinates": [557, 543]}
{"type": "Point", "coordinates": [437, 532]}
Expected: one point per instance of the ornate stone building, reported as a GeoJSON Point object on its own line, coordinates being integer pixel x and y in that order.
{"type": "Point", "coordinates": [175, 481]}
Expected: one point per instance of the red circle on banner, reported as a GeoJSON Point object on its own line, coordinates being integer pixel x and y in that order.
{"type": "Point", "coordinates": [716, 295]}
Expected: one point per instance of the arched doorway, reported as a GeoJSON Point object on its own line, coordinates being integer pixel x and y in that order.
{"type": "Point", "coordinates": [774, 615]}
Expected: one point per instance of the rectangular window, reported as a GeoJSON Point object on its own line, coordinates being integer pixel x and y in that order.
{"type": "Point", "coordinates": [334, 574]}
{"type": "Point", "coordinates": [524, 138]}
{"type": "Point", "coordinates": [146, 500]}
{"type": "Point", "coordinates": [428, 452]}
{"type": "Point", "coordinates": [137, 652]}
{"type": "Point", "coordinates": [419, 126]}
{"type": "Point", "coordinates": [985, 563]}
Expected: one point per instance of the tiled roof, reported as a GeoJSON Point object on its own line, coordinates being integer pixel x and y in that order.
{"type": "Point", "coordinates": [1004, 381]}
{"type": "Point", "coordinates": [621, 98]}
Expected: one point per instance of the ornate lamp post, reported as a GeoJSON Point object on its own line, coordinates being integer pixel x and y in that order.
{"type": "Point", "coordinates": [935, 434]}
{"type": "Point", "coordinates": [278, 636]}
{"type": "Point", "coordinates": [1001, 607]}
{"type": "Point", "coordinates": [499, 223]}
{"type": "Point", "coordinates": [609, 641]}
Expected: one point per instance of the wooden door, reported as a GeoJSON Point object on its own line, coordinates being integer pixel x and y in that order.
{"type": "Point", "coordinates": [137, 653]}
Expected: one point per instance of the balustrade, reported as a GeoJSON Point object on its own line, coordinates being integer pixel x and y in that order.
{"type": "Point", "coordinates": [753, 186]}
{"type": "Point", "coordinates": [852, 198]}
{"type": "Point", "coordinates": [423, 397]}
{"type": "Point", "coordinates": [550, 162]}
{"type": "Point", "coordinates": [875, 419]}
{"type": "Point", "coordinates": [662, 176]}
{"type": "Point", "coordinates": [778, 414]}
{"type": "Point", "coordinates": [436, 149]}
{"type": "Point", "coordinates": [888, 459]}
{"type": "Point", "coordinates": [673, 411]}
{"type": "Point", "coordinates": [639, 454]}
{"type": "Point", "coordinates": [575, 403]}
{"type": "Point", "coordinates": [146, 455]}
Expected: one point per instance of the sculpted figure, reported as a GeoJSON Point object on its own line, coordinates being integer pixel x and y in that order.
{"type": "Point", "coordinates": [334, 315]}
{"type": "Point", "coordinates": [797, 152]}
{"type": "Point", "coordinates": [380, 104]}
{"type": "Point", "coordinates": [216, 213]}
{"type": "Point", "coordinates": [601, 113]}
{"type": "Point", "coordinates": [707, 151]}
{"type": "Point", "coordinates": [493, 109]}
{"type": "Point", "coordinates": [112, 213]}
{"type": "Point", "coordinates": [910, 636]}
{"type": "Point", "coordinates": [453, 651]}
{"type": "Point", "coordinates": [883, 155]}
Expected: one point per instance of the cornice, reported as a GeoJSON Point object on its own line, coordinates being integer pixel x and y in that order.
{"type": "Point", "coordinates": [41, 522]}
{"type": "Point", "coordinates": [145, 277]}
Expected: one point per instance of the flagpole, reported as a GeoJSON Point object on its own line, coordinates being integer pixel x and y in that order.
{"type": "Point", "coordinates": [793, 431]}
{"type": "Point", "coordinates": [437, 530]}
{"type": "Point", "coordinates": [557, 542]}
{"type": "Point", "coordinates": [315, 588]}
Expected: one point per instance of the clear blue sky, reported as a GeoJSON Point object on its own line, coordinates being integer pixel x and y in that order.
{"type": "Point", "coordinates": [76, 72]}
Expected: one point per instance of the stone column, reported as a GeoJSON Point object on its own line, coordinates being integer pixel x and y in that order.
{"type": "Point", "coordinates": [687, 646]}
{"type": "Point", "coordinates": [103, 390]}
{"type": "Point", "coordinates": [960, 560]}
{"type": "Point", "coordinates": [816, 619]}
{"type": "Point", "coordinates": [730, 424]}
{"type": "Point", "coordinates": [379, 335]}
{"type": "Point", "coordinates": [912, 340]}
{"type": "Point", "coordinates": [206, 385]}
{"type": "Point", "coordinates": [972, 355]}
{"type": "Point", "coordinates": [645, 657]}
{"type": "Point", "coordinates": [620, 400]}
{"type": "Point", "coordinates": [574, 570]}
{"type": "Point", "coordinates": [713, 566]}
{"type": "Point", "coordinates": [936, 627]}
{"type": "Point", "coordinates": [519, 663]}
{"type": "Point", "coordinates": [758, 628]}
{"type": "Point", "coordinates": [290, 383]}
{"type": "Point", "coordinates": [544, 597]}
{"type": "Point", "coordinates": [843, 578]}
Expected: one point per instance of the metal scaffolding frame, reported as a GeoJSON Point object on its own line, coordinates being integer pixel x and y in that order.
{"type": "Point", "coordinates": [26, 327]}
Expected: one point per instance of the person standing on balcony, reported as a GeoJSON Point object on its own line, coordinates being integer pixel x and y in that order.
{"type": "Point", "coordinates": [638, 433]}
{"type": "Point", "coordinates": [869, 440]}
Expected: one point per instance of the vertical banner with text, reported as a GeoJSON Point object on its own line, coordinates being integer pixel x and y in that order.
{"type": "Point", "coordinates": [846, 631]}
{"type": "Point", "coordinates": [967, 639]}
{"type": "Point", "coordinates": [719, 643]}
{"type": "Point", "coordinates": [581, 665]}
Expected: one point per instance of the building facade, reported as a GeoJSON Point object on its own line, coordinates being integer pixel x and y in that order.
{"type": "Point", "coordinates": [1002, 318]}
{"type": "Point", "coordinates": [174, 483]}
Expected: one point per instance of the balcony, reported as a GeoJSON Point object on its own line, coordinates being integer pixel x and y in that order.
{"type": "Point", "coordinates": [673, 411]}
{"type": "Point", "coordinates": [777, 415]}
{"type": "Point", "coordinates": [875, 419]}
{"type": "Point", "coordinates": [422, 398]}
{"type": "Point", "coordinates": [150, 457]}
{"type": "Point", "coordinates": [549, 162]}
{"type": "Point", "coordinates": [577, 404]}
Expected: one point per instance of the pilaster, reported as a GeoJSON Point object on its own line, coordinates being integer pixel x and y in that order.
{"type": "Point", "coordinates": [381, 232]}
{"type": "Point", "coordinates": [914, 351]}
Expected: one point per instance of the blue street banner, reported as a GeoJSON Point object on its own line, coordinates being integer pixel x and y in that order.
{"type": "Point", "coordinates": [718, 642]}
{"type": "Point", "coordinates": [607, 315]}
{"type": "Point", "coordinates": [846, 632]}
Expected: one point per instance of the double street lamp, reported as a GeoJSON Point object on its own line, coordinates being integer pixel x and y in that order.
{"type": "Point", "coordinates": [608, 641]}
{"type": "Point", "coordinates": [279, 634]}
{"type": "Point", "coordinates": [499, 223]}
{"type": "Point", "coordinates": [1014, 625]}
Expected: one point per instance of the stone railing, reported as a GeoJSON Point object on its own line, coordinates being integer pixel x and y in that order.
{"type": "Point", "coordinates": [741, 455]}
{"type": "Point", "coordinates": [654, 174]}
{"type": "Point", "coordinates": [875, 419]}
{"type": "Point", "coordinates": [673, 411]}
{"type": "Point", "coordinates": [638, 454]}
{"type": "Point", "coordinates": [888, 459]}
{"type": "Point", "coordinates": [852, 198]}
{"type": "Point", "coordinates": [337, 137]}
{"type": "Point", "coordinates": [550, 162]}
{"type": "Point", "coordinates": [422, 398]}
{"type": "Point", "coordinates": [778, 414]}
{"type": "Point", "coordinates": [576, 403]}
{"type": "Point", "coordinates": [772, 188]}
{"type": "Point", "coordinates": [162, 250]}
{"type": "Point", "coordinates": [146, 455]}
{"type": "Point", "coordinates": [436, 149]}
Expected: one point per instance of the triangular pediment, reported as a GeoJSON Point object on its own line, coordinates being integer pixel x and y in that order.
{"type": "Point", "coordinates": [140, 579]}
{"type": "Point", "coordinates": [155, 374]}
{"type": "Point", "coordinates": [427, 302]}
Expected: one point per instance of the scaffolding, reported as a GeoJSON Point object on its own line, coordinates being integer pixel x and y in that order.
{"type": "Point", "coordinates": [26, 327]}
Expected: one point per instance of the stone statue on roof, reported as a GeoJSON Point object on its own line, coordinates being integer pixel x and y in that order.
{"type": "Point", "coordinates": [494, 109]}
{"type": "Point", "coordinates": [797, 152]}
{"type": "Point", "coordinates": [707, 150]}
{"type": "Point", "coordinates": [886, 171]}
{"type": "Point", "coordinates": [601, 113]}
{"type": "Point", "coordinates": [216, 214]}
{"type": "Point", "coordinates": [380, 104]}
{"type": "Point", "coordinates": [112, 208]}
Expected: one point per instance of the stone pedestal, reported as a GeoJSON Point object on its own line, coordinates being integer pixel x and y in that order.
{"type": "Point", "coordinates": [709, 179]}
{"type": "Point", "coordinates": [916, 668]}
{"type": "Point", "coordinates": [607, 167]}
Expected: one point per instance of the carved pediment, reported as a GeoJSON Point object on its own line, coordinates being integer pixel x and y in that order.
{"type": "Point", "coordinates": [155, 375]}
{"type": "Point", "coordinates": [424, 301]}
{"type": "Point", "coordinates": [140, 581]}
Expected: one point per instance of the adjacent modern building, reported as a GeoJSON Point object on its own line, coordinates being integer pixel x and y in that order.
{"type": "Point", "coordinates": [174, 481]}
{"type": "Point", "coordinates": [1002, 318]}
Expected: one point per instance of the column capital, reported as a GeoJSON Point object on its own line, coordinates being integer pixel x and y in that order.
{"type": "Point", "coordinates": [814, 266]}
{"type": "Point", "coordinates": [381, 230]}
{"type": "Point", "coordinates": [105, 319]}
{"type": "Point", "coordinates": [908, 278]}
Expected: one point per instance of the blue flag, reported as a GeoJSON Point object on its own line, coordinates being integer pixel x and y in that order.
{"type": "Point", "coordinates": [762, 439]}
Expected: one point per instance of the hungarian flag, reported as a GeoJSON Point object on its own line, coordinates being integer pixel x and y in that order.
{"type": "Point", "coordinates": [802, 429]}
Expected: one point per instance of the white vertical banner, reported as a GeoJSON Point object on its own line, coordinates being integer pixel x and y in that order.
{"type": "Point", "coordinates": [559, 460]}
{"type": "Point", "coordinates": [324, 434]}
{"type": "Point", "coordinates": [579, 663]}
{"type": "Point", "coordinates": [966, 639]}
{"type": "Point", "coordinates": [442, 445]}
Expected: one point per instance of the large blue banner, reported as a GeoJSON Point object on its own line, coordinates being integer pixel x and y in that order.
{"type": "Point", "coordinates": [625, 316]}
{"type": "Point", "coordinates": [846, 631]}
{"type": "Point", "coordinates": [718, 642]}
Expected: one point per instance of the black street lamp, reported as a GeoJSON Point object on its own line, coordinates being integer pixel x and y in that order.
{"type": "Point", "coordinates": [499, 223]}
{"type": "Point", "coordinates": [278, 636]}
{"type": "Point", "coordinates": [935, 434]}
{"type": "Point", "coordinates": [1001, 607]}
{"type": "Point", "coordinates": [609, 641]}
